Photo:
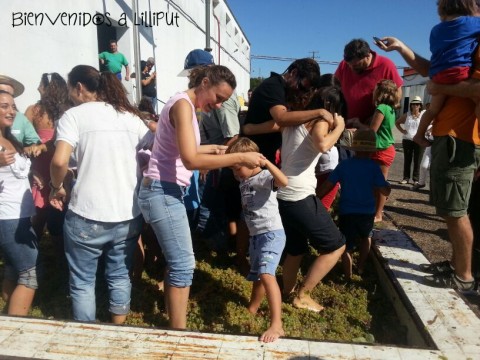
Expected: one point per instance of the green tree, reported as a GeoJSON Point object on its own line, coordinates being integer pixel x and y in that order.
{"type": "Point", "coordinates": [254, 82]}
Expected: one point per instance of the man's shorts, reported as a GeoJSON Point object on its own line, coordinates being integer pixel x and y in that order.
{"type": "Point", "coordinates": [454, 163]}
{"type": "Point", "coordinates": [265, 253]}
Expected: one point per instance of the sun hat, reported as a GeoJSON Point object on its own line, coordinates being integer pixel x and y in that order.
{"type": "Point", "coordinates": [416, 100]}
{"type": "Point", "coordinates": [364, 140]}
{"type": "Point", "coordinates": [151, 60]}
{"type": "Point", "coordinates": [18, 87]}
{"type": "Point", "coordinates": [196, 58]}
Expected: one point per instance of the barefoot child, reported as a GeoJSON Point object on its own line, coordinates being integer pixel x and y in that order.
{"type": "Point", "coordinates": [267, 237]}
{"type": "Point", "coordinates": [360, 177]}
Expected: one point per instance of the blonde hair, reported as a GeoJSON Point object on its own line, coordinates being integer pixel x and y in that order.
{"type": "Point", "coordinates": [241, 145]}
{"type": "Point", "coordinates": [386, 92]}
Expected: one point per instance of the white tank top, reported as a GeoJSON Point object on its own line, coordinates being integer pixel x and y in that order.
{"type": "Point", "coordinates": [16, 199]}
{"type": "Point", "coordinates": [411, 125]}
{"type": "Point", "coordinates": [299, 157]}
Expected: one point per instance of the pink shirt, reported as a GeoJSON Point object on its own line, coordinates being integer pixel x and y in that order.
{"type": "Point", "coordinates": [358, 88]}
{"type": "Point", "coordinates": [165, 163]}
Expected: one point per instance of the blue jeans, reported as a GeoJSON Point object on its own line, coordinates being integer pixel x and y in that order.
{"type": "Point", "coordinates": [20, 250]}
{"type": "Point", "coordinates": [85, 242]}
{"type": "Point", "coordinates": [162, 207]}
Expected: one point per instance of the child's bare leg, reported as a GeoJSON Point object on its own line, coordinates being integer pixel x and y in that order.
{"type": "Point", "coordinates": [436, 105]}
{"type": "Point", "coordinates": [347, 264]}
{"type": "Point", "coordinates": [274, 298]}
{"type": "Point", "coordinates": [365, 244]}
{"type": "Point", "coordinates": [258, 292]}
{"type": "Point", "coordinates": [381, 199]}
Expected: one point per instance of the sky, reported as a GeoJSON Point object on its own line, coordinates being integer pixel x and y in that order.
{"type": "Point", "coordinates": [303, 28]}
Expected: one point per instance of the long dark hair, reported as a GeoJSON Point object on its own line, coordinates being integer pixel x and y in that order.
{"type": "Point", "coordinates": [8, 132]}
{"type": "Point", "coordinates": [329, 98]}
{"type": "Point", "coordinates": [54, 101]}
{"type": "Point", "coordinates": [106, 85]}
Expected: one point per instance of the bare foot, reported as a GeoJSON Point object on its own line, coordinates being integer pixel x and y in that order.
{"type": "Point", "coordinates": [252, 309]}
{"type": "Point", "coordinates": [272, 334]}
{"type": "Point", "coordinates": [378, 219]}
{"type": "Point", "coordinates": [306, 302]}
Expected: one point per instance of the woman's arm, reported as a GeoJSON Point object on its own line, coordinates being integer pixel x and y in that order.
{"type": "Point", "coordinates": [58, 171]}
{"type": "Point", "coordinates": [283, 117]}
{"type": "Point", "coordinates": [181, 118]}
{"type": "Point", "coordinates": [377, 120]}
{"type": "Point", "coordinates": [323, 138]}
{"type": "Point", "coordinates": [400, 121]}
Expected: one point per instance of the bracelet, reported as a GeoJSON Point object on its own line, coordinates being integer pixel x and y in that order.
{"type": "Point", "coordinates": [55, 188]}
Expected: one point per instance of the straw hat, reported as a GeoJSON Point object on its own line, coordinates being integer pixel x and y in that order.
{"type": "Point", "coordinates": [416, 100]}
{"type": "Point", "coordinates": [18, 87]}
{"type": "Point", "coordinates": [364, 140]}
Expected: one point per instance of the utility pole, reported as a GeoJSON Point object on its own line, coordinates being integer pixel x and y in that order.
{"type": "Point", "coordinates": [313, 53]}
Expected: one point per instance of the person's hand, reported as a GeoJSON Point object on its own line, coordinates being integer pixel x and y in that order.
{"type": "Point", "coordinates": [338, 121]}
{"type": "Point", "coordinates": [154, 75]}
{"type": "Point", "coordinates": [420, 140]}
{"type": "Point", "coordinates": [252, 159]}
{"type": "Point", "coordinates": [389, 43]}
{"type": "Point", "coordinates": [7, 157]}
{"type": "Point", "coordinates": [37, 180]}
{"type": "Point", "coordinates": [203, 175]}
{"type": "Point", "coordinates": [58, 198]}
{"type": "Point", "coordinates": [432, 88]}
{"type": "Point", "coordinates": [127, 77]}
{"type": "Point", "coordinates": [34, 150]}
{"type": "Point", "coordinates": [327, 116]}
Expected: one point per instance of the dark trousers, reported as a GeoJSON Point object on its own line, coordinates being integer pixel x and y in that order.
{"type": "Point", "coordinates": [411, 152]}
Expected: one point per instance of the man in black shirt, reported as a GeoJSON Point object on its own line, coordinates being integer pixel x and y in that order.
{"type": "Point", "coordinates": [272, 104]}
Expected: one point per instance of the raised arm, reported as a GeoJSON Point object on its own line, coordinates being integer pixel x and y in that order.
{"type": "Point", "coordinates": [283, 117]}
{"type": "Point", "coordinates": [400, 121]}
{"type": "Point", "coordinates": [325, 139]}
{"type": "Point", "coordinates": [279, 177]}
{"type": "Point", "coordinates": [416, 61]}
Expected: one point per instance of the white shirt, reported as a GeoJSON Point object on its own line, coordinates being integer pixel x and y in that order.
{"type": "Point", "coordinates": [411, 125]}
{"type": "Point", "coordinates": [299, 157]}
{"type": "Point", "coordinates": [16, 201]}
{"type": "Point", "coordinates": [104, 143]}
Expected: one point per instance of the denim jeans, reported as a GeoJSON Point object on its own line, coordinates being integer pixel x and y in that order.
{"type": "Point", "coordinates": [20, 251]}
{"type": "Point", "coordinates": [162, 207]}
{"type": "Point", "coordinates": [85, 242]}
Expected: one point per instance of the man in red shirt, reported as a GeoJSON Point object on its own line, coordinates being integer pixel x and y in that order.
{"type": "Point", "coordinates": [359, 73]}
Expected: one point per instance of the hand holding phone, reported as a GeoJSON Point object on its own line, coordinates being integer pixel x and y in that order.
{"type": "Point", "coordinates": [377, 40]}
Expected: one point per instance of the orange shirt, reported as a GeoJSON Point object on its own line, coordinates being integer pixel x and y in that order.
{"type": "Point", "coordinates": [457, 118]}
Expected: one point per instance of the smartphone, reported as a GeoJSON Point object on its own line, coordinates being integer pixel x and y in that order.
{"type": "Point", "coordinates": [377, 40]}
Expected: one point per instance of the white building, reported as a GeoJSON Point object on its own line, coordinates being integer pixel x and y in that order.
{"type": "Point", "coordinates": [56, 35]}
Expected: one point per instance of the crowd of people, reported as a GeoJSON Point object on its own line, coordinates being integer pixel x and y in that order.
{"type": "Point", "coordinates": [93, 169]}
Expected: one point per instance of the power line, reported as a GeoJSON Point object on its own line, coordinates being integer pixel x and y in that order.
{"type": "Point", "coordinates": [281, 58]}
